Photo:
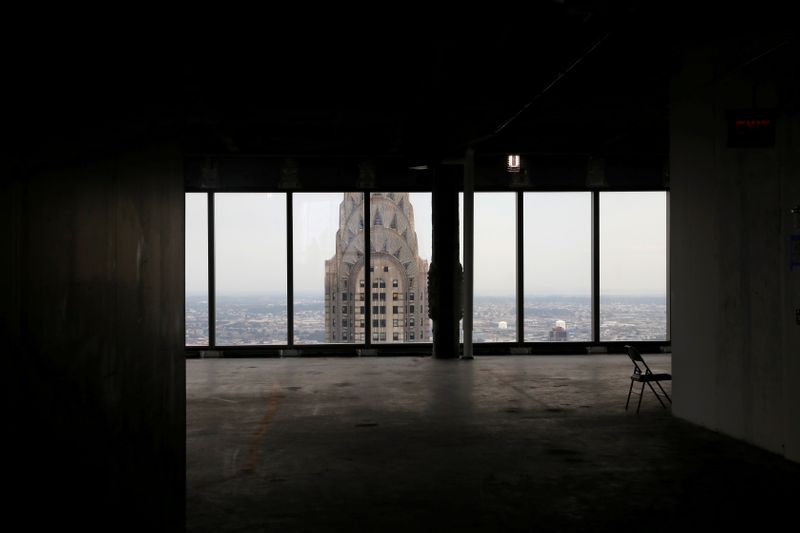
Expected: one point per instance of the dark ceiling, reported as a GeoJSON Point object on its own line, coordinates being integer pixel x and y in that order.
{"type": "Point", "coordinates": [576, 77]}
{"type": "Point", "coordinates": [568, 77]}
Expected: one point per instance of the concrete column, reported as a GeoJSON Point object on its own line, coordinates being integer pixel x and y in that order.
{"type": "Point", "coordinates": [445, 272]}
{"type": "Point", "coordinates": [735, 341]}
{"type": "Point", "coordinates": [469, 233]}
{"type": "Point", "coordinates": [96, 388]}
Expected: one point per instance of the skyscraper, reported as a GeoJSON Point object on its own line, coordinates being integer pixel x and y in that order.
{"type": "Point", "coordinates": [559, 331]}
{"type": "Point", "coordinates": [399, 298]}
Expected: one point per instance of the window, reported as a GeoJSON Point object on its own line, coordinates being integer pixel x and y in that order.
{"type": "Point", "coordinates": [316, 218]}
{"type": "Point", "coordinates": [557, 230]}
{"type": "Point", "coordinates": [411, 335]}
{"type": "Point", "coordinates": [196, 243]}
{"type": "Point", "coordinates": [495, 250]}
{"type": "Point", "coordinates": [633, 266]}
{"type": "Point", "coordinates": [250, 264]}
{"type": "Point", "coordinates": [401, 246]}
{"type": "Point", "coordinates": [375, 322]}
{"type": "Point", "coordinates": [362, 324]}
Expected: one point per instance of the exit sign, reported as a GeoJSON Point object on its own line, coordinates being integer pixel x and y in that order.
{"type": "Point", "coordinates": [751, 128]}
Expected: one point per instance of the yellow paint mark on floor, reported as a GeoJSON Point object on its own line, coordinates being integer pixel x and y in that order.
{"type": "Point", "coordinates": [257, 446]}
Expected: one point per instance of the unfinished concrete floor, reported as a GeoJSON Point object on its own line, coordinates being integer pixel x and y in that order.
{"type": "Point", "coordinates": [496, 444]}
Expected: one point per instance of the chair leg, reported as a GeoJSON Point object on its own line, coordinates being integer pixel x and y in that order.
{"type": "Point", "coordinates": [664, 392]}
{"type": "Point", "coordinates": [641, 394]}
{"type": "Point", "coordinates": [629, 396]}
{"type": "Point", "coordinates": [657, 395]}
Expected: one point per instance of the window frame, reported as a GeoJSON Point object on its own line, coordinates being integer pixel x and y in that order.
{"type": "Point", "coordinates": [594, 344]}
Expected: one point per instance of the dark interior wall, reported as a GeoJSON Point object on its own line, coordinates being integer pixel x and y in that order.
{"type": "Point", "coordinates": [735, 339]}
{"type": "Point", "coordinates": [95, 373]}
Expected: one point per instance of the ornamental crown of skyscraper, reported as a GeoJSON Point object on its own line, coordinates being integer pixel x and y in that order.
{"type": "Point", "coordinates": [398, 293]}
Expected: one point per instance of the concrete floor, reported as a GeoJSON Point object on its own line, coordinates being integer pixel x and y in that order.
{"type": "Point", "coordinates": [497, 444]}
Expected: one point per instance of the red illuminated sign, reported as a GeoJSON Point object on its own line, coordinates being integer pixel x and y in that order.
{"type": "Point", "coordinates": [751, 128]}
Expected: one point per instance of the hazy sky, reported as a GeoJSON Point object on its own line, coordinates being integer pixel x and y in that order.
{"type": "Point", "coordinates": [251, 242]}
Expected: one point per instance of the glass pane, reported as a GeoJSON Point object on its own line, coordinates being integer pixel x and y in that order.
{"type": "Point", "coordinates": [328, 254]}
{"type": "Point", "coordinates": [400, 235]}
{"type": "Point", "coordinates": [557, 236]}
{"type": "Point", "coordinates": [494, 301]}
{"type": "Point", "coordinates": [196, 246]}
{"type": "Point", "coordinates": [250, 253]}
{"type": "Point", "coordinates": [633, 266]}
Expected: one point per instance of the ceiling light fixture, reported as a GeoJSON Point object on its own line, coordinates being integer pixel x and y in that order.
{"type": "Point", "coordinates": [512, 163]}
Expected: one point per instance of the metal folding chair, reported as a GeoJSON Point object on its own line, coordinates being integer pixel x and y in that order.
{"type": "Point", "coordinates": [645, 376]}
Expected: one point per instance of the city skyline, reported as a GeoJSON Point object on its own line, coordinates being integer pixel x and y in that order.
{"type": "Point", "coordinates": [252, 320]}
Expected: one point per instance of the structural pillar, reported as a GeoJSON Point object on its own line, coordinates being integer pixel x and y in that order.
{"type": "Point", "coordinates": [469, 232]}
{"type": "Point", "coordinates": [445, 273]}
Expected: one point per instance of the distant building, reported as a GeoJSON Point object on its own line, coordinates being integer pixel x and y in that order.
{"type": "Point", "coordinates": [399, 298]}
{"type": "Point", "coordinates": [559, 331]}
